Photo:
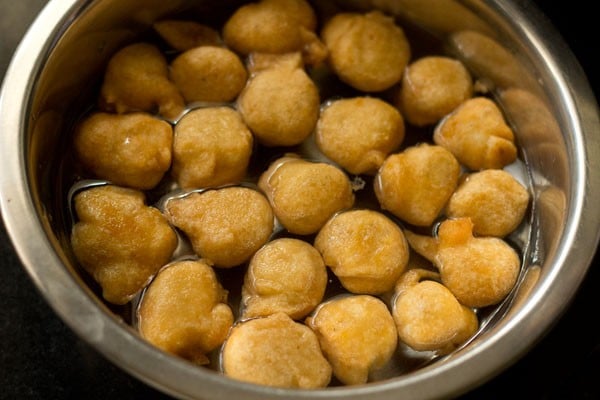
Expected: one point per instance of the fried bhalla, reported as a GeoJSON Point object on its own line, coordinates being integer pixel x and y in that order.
{"type": "Point", "coordinates": [280, 105]}
{"type": "Point", "coordinates": [208, 73]}
{"type": "Point", "coordinates": [357, 335]}
{"type": "Point", "coordinates": [275, 351]}
{"type": "Point", "coordinates": [365, 249]}
{"type": "Point", "coordinates": [432, 87]}
{"type": "Point", "coordinates": [477, 134]}
{"type": "Point", "coordinates": [358, 133]}
{"type": "Point", "coordinates": [184, 311]}
{"type": "Point", "coordinates": [428, 316]}
{"type": "Point", "coordinates": [211, 147]}
{"type": "Point", "coordinates": [132, 150]}
{"type": "Point", "coordinates": [225, 226]}
{"type": "Point", "coordinates": [186, 35]}
{"type": "Point", "coordinates": [119, 240]}
{"type": "Point", "coordinates": [367, 51]}
{"type": "Point", "coordinates": [479, 271]}
{"type": "Point", "coordinates": [415, 184]}
{"type": "Point", "coordinates": [494, 201]}
{"type": "Point", "coordinates": [285, 275]}
{"type": "Point", "coordinates": [136, 79]}
{"type": "Point", "coordinates": [305, 194]}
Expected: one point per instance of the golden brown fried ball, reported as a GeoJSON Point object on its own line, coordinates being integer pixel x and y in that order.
{"type": "Point", "coordinates": [432, 87]}
{"type": "Point", "coordinates": [136, 79]}
{"type": "Point", "coordinates": [211, 147]}
{"type": "Point", "coordinates": [367, 51]}
{"type": "Point", "coordinates": [185, 35]}
{"type": "Point", "coordinates": [305, 194]}
{"type": "Point", "coordinates": [208, 73]}
{"type": "Point", "coordinates": [119, 240]}
{"type": "Point", "coordinates": [286, 275]}
{"type": "Point", "coordinates": [365, 249]}
{"type": "Point", "coordinates": [184, 311]}
{"type": "Point", "coordinates": [280, 105]}
{"type": "Point", "coordinates": [131, 150]}
{"type": "Point", "coordinates": [415, 184]}
{"type": "Point", "coordinates": [225, 226]}
{"type": "Point", "coordinates": [477, 135]}
{"type": "Point", "coordinates": [275, 27]}
{"type": "Point", "coordinates": [494, 201]}
{"type": "Point", "coordinates": [357, 335]}
{"type": "Point", "coordinates": [428, 316]}
{"type": "Point", "coordinates": [358, 133]}
{"type": "Point", "coordinates": [479, 271]}
{"type": "Point", "coordinates": [275, 351]}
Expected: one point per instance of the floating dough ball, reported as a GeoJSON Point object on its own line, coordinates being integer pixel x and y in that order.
{"type": "Point", "coordinates": [184, 311]}
{"type": "Point", "coordinates": [275, 27]}
{"type": "Point", "coordinates": [494, 201]}
{"type": "Point", "coordinates": [285, 275]}
{"type": "Point", "coordinates": [367, 51]}
{"type": "Point", "coordinates": [208, 73]}
{"type": "Point", "coordinates": [280, 105]}
{"type": "Point", "coordinates": [211, 147]}
{"type": "Point", "coordinates": [364, 249]}
{"type": "Point", "coordinates": [432, 87]}
{"type": "Point", "coordinates": [119, 240]}
{"type": "Point", "coordinates": [428, 316]}
{"type": "Point", "coordinates": [131, 150]}
{"type": "Point", "coordinates": [305, 194]}
{"type": "Point", "coordinates": [415, 184]}
{"type": "Point", "coordinates": [275, 351]}
{"type": "Point", "coordinates": [136, 79]}
{"type": "Point", "coordinates": [477, 135]}
{"type": "Point", "coordinates": [357, 335]}
{"type": "Point", "coordinates": [186, 35]}
{"type": "Point", "coordinates": [359, 133]}
{"type": "Point", "coordinates": [479, 271]}
{"type": "Point", "coordinates": [226, 226]}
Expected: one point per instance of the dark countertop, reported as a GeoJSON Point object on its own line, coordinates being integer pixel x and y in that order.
{"type": "Point", "coordinates": [41, 358]}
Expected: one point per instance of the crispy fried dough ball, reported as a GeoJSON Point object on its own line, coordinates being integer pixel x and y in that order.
{"type": "Point", "coordinates": [275, 27]}
{"type": "Point", "coordinates": [211, 147]}
{"type": "Point", "coordinates": [275, 351]}
{"type": "Point", "coordinates": [280, 105]}
{"type": "Point", "coordinates": [226, 226]}
{"type": "Point", "coordinates": [479, 271]}
{"type": "Point", "coordinates": [364, 249]}
{"type": "Point", "coordinates": [136, 79]}
{"type": "Point", "coordinates": [184, 311]}
{"type": "Point", "coordinates": [357, 335]}
{"type": "Point", "coordinates": [428, 316]}
{"type": "Point", "coordinates": [132, 150]}
{"type": "Point", "coordinates": [432, 87]}
{"type": "Point", "coordinates": [359, 133]}
{"type": "Point", "coordinates": [285, 275]}
{"type": "Point", "coordinates": [367, 51]}
{"type": "Point", "coordinates": [119, 240]}
{"type": "Point", "coordinates": [477, 135]}
{"type": "Point", "coordinates": [305, 194]}
{"type": "Point", "coordinates": [208, 73]}
{"type": "Point", "coordinates": [186, 35]}
{"type": "Point", "coordinates": [494, 201]}
{"type": "Point", "coordinates": [415, 184]}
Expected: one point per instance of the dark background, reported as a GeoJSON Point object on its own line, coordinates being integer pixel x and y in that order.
{"type": "Point", "coordinates": [40, 358]}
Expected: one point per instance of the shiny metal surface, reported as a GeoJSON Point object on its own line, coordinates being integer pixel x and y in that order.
{"type": "Point", "coordinates": [509, 46]}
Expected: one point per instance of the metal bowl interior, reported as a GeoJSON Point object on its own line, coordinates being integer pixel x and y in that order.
{"type": "Point", "coordinates": [508, 45]}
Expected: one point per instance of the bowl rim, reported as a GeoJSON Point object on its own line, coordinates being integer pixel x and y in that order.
{"type": "Point", "coordinates": [120, 344]}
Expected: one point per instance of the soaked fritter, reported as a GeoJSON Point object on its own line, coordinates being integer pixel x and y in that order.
{"type": "Point", "coordinates": [211, 147]}
{"type": "Point", "coordinates": [305, 194]}
{"type": "Point", "coordinates": [119, 240]}
{"type": "Point", "coordinates": [184, 311]}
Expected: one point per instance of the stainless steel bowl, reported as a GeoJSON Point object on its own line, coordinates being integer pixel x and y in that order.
{"type": "Point", "coordinates": [526, 65]}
